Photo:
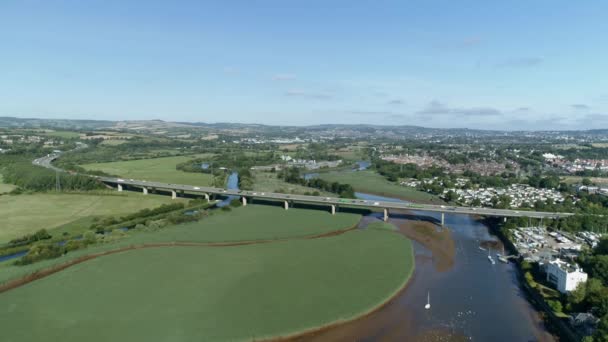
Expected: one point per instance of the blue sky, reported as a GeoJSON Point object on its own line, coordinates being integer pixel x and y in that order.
{"type": "Point", "coordinates": [479, 64]}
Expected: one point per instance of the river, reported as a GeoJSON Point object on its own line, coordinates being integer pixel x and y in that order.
{"type": "Point", "coordinates": [232, 184]}
{"type": "Point", "coordinates": [471, 299]}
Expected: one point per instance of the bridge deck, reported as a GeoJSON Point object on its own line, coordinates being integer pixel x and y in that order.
{"type": "Point", "coordinates": [369, 204]}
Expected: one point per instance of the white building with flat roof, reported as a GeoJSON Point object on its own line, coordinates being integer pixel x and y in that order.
{"type": "Point", "coordinates": [565, 277]}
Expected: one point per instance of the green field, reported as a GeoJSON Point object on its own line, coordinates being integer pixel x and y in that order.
{"type": "Point", "coordinates": [63, 134]}
{"type": "Point", "coordinates": [156, 169]}
{"type": "Point", "coordinates": [268, 181]}
{"type": "Point", "coordinates": [252, 223]}
{"type": "Point", "coordinates": [579, 179]}
{"type": "Point", "coordinates": [5, 188]}
{"type": "Point", "coordinates": [114, 142]}
{"type": "Point", "coordinates": [243, 224]}
{"type": "Point", "coordinates": [212, 293]}
{"type": "Point", "coordinates": [373, 183]}
{"type": "Point", "coordinates": [23, 214]}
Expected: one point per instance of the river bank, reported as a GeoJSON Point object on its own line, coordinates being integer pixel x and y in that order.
{"type": "Point", "coordinates": [471, 299]}
{"type": "Point", "coordinates": [554, 323]}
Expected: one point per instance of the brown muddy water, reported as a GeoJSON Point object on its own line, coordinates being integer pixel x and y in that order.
{"type": "Point", "coordinates": [471, 299]}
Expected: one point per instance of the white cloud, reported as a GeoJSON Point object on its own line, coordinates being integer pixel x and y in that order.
{"type": "Point", "coordinates": [283, 77]}
{"type": "Point", "coordinates": [308, 94]}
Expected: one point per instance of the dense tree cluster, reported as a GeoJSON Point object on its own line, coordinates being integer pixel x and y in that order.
{"type": "Point", "coordinates": [593, 295]}
{"type": "Point", "coordinates": [246, 179]}
{"type": "Point", "coordinates": [292, 175]}
{"type": "Point", "coordinates": [587, 152]}
{"type": "Point", "coordinates": [242, 160]}
{"type": "Point", "coordinates": [41, 252]}
{"type": "Point", "coordinates": [393, 171]}
{"type": "Point", "coordinates": [21, 172]}
{"type": "Point", "coordinates": [140, 216]}
{"type": "Point", "coordinates": [42, 234]}
{"type": "Point", "coordinates": [136, 148]}
{"type": "Point", "coordinates": [315, 151]}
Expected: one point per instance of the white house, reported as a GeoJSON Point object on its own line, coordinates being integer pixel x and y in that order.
{"type": "Point", "coordinates": [564, 276]}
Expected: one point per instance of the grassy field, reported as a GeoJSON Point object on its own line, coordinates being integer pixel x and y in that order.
{"type": "Point", "coordinates": [371, 182]}
{"type": "Point", "coordinates": [267, 181]}
{"type": "Point", "coordinates": [352, 153]}
{"type": "Point", "coordinates": [211, 293]}
{"type": "Point", "coordinates": [25, 214]}
{"type": "Point", "coordinates": [114, 142]}
{"type": "Point", "coordinates": [5, 188]}
{"type": "Point", "coordinates": [156, 169]}
{"type": "Point", "coordinates": [579, 179]}
{"type": "Point", "coordinates": [63, 134]}
{"type": "Point", "coordinates": [253, 222]}
{"type": "Point", "coordinates": [257, 222]}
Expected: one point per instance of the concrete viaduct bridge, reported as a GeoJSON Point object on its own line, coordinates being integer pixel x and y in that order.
{"type": "Point", "coordinates": [333, 203]}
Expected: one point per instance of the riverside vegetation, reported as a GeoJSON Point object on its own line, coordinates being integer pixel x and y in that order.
{"type": "Point", "coordinates": [299, 289]}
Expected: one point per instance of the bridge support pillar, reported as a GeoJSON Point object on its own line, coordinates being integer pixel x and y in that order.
{"type": "Point", "coordinates": [442, 219]}
{"type": "Point", "coordinates": [206, 197]}
{"type": "Point", "coordinates": [504, 219]}
{"type": "Point", "coordinates": [385, 215]}
{"type": "Point", "coordinates": [333, 209]}
{"type": "Point", "coordinates": [119, 187]}
{"type": "Point", "coordinates": [173, 194]}
{"type": "Point", "coordinates": [144, 190]}
{"type": "Point", "coordinates": [286, 205]}
{"type": "Point", "coordinates": [244, 199]}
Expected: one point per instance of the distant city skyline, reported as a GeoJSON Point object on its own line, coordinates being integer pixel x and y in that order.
{"type": "Point", "coordinates": [476, 64]}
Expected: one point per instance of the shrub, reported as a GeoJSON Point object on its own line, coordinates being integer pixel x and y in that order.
{"type": "Point", "coordinates": [555, 305]}
{"type": "Point", "coordinates": [89, 237]}
{"type": "Point", "coordinates": [41, 252]}
{"type": "Point", "coordinates": [235, 203]}
{"type": "Point", "coordinates": [42, 234]}
{"type": "Point", "coordinates": [73, 245]}
{"type": "Point", "coordinates": [16, 191]}
{"type": "Point", "coordinates": [12, 250]}
{"type": "Point", "coordinates": [530, 279]}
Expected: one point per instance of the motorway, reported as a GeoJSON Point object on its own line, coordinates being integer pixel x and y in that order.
{"type": "Point", "coordinates": [289, 199]}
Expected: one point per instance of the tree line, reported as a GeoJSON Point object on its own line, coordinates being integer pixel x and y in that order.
{"type": "Point", "coordinates": [21, 172]}
{"type": "Point", "coordinates": [292, 175]}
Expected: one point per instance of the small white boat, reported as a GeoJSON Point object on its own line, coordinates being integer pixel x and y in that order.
{"type": "Point", "coordinates": [503, 259]}
{"type": "Point", "coordinates": [483, 249]}
{"type": "Point", "coordinates": [428, 301]}
{"type": "Point", "coordinates": [490, 258]}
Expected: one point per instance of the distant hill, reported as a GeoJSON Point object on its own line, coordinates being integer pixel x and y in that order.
{"type": "Point", "coordinates": [338, 129]}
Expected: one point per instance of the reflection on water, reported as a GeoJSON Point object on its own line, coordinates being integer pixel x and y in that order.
{"type": "Point", "coordinates": [13, 256]}
{"type": "Point", "coordinates": [231, 184]}
{"type": "Point", "coordinates": [363, 165]}
{"type": "Point", "coordinates": [370, 197]}
{"type": "Point", "coordinates": [309, 176]}
{"type": "Point", "coordinates": [471, 299]}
